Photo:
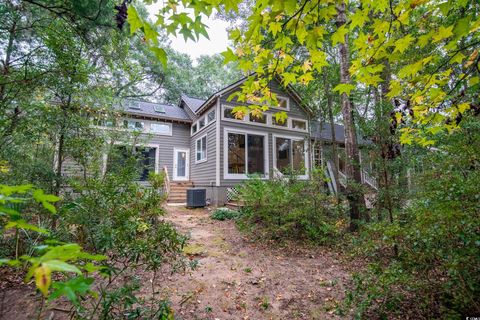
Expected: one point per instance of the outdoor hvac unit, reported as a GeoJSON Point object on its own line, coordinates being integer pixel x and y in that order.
{"type": "Point", "coordinates": [196, 197]}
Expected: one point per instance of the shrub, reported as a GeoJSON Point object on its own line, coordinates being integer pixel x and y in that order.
{"type": "Point", "coordinates": [224, 214]}
{"type": "Point", "coordinates": [433, 270]}
{"type": "Point", "coordinates": [289, 209]}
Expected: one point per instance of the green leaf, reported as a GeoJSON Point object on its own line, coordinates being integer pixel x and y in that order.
{"type": "Point", "coordinates": [161, 55]}
{"type": "Point", "coordinates": [339, 35]}
{"type": "Point", "coordinates": [58, 265]}
{"type": "Point", "coordinates": [402, 44]}
{"type": "Point", "coordinates": [229, 56]}
{"type": "Point", "coordinates": [359, 18]}
{"type": "Point", "coordinates": [443, 33]}
{"type": "Point", "coordinates": [344, 88]}
{"type": "Point", "coordinates": [274, 28]}
{"type": "Point", "coordinates": [133, 19]}
{"type": "Point", "coordinates": [22, 224]}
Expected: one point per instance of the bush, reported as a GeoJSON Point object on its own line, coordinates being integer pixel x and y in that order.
{"type": "Point", "coordinates": [224, 214]}
{"type": "Point", "coordinates": [425, 264]}
{"type": "Point", "coordinates": [289, 209]}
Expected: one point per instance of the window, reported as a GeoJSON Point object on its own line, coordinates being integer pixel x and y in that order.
{"type": "Point", "coordinates": [236, 153]}
{"type": "Point", "coordinates": [133, 125]}
{"type": "Point", "coordinates": [201, 149]}
{"type": "Point", "coordinates": [262, 118]}
{"type": "Point", "coordinates": [228, 113]}
{"type": "Point", "coordinates": [299, 124]}
{"type": "Point", "coordinates": [194, 128]}
{"type": "Point", "coordinates": [282, 103]}
{"type": "Point", "coordinates": [290, 155]}
{"type": "Point", "coordinates": [141, 159]}
{"type": "Point", "coordinates": [211, 116]}
{"type": "Point", "coordinates": [161, 128]}
{"type": "Point", "coordinates": [246, 154]}
{"type": "Point", "coordinates": [201, 124]}
{"type": "Point", "coordinates": [279, 123]}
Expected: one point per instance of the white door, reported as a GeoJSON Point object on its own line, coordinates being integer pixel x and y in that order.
{"type": "Point", "coordinates": [181, 160]}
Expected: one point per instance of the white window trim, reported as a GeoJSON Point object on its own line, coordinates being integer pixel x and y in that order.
{"type": "Point", "coordinates": [157, 133]}
{"type": "Point", "coordinates": [242, 176]}
{"type": "Point", "coordinates": [145, 129]}
{"type": "Point", "coordinates": [191, 129]}
{"type": "Point", "coordinates": [290, 124]}
{"type": "Point", "coordinates": [206, 149]}
{"type": "Point", "coordinates": [269, 123]}
{"type": "Point", "coordinates": [207, 123]}
{"type": "Point", "coordinates": [305, 153]}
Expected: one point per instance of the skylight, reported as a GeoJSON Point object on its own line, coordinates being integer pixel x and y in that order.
{"type": "Point", "coordinates": [159, 109]}
{"type": "Point", "coordinates": [134, 105]}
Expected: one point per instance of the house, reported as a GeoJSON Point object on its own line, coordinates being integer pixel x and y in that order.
{"type": "Point", "coordinates": [201, 143]}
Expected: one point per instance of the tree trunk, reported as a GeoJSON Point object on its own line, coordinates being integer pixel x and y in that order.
{"type": "Point", "coordinates": [353, 170]}
{"type": "Point", "coordinates": [332, 128]}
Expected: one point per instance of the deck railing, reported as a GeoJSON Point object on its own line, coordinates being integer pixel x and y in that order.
{"type": "Point", "coordinates": [166, 184]}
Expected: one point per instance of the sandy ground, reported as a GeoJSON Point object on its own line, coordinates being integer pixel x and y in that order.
{"type": "Point", "coordinates": [236, 278]}
{"type": "Point", "coordinates": [240, 279]}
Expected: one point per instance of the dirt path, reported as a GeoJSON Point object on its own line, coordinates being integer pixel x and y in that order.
{"type": "Point", "coordinates": [240, 279]}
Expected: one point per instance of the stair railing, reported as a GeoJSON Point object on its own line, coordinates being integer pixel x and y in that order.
{"type": "Point", "coordinates": [166, 184]}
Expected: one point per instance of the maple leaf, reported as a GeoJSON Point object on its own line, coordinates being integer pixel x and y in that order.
{"type": "Point", "coordinates": [339, 35]}
{"type": "Point", "coordinates": [402, 44]}
{"type": "Point", "coordinates": [443, 33]}
{"type": "Point", "coordinates": [344, 88]}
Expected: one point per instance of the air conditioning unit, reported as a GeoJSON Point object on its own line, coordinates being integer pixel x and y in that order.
{"type": "Point", "coordinates": [196, 197]}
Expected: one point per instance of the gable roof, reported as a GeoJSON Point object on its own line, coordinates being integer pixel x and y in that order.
{"type": "Point", "coordinates": [149, 109]}
{"type": "Point", "coordinates": [323, 131]}
{"type": "Point", "coordinates": [217, 94]}
{"type": "Point", "coordinates": [192, 103]}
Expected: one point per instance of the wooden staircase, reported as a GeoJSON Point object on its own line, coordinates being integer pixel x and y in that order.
{"type": "Point", "coordinates": [178, 192]}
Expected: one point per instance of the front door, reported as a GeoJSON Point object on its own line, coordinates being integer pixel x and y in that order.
{"type": "Point", "coordinates": [180, 164]}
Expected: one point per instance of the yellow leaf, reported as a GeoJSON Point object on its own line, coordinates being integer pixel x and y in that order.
{"type": "Point", "coordinates": [43, 279]}
{"type": "Point", "coordinates": [339, 35]}
{"type": "Point", "coordinates": [463, 107]}
{"type": "Point", "coordinates": [443, 33]}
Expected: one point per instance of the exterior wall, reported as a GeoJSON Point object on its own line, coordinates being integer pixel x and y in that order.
{"type": "Point", "coordinates": [180, 139]}
{"type": "Point", "coordinates": [295, 111]}
{"type": "Point", "coordinates": [165, 145]}
{"type": "Point", "coordinates": [203, 174]}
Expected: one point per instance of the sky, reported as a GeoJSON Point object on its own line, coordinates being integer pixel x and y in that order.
{"type": "Point", "coordinates": [217, 32]}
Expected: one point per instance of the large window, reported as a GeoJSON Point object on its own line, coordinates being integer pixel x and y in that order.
{"type": "Point", "coordinates": [161, 128]}
{"type": "Point", "coordinates": [290, 155]}
{"type": "Point", "coordinates": [137, 161]}
{"type": "Point", "coordinates": [245, 154]}
{"type": "Point", "coordinates": [201, 149]}
{"type": "Point", "coordinates": [133, 125]}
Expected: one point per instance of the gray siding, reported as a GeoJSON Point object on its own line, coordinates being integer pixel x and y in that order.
{"type": "Point", "coordinates": [295, 111]}
{"type": "Point", "coordinates": [180, 139]}
{"type": "Point", "coordinates": [203, 174]}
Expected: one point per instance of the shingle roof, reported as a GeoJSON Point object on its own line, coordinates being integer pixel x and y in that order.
{"type": "Point", "coordinates": [193, 103]}
{"type": "Point", "coordinates": [143, 108]}
{"type": "Point", "coordinates": [324, 131]}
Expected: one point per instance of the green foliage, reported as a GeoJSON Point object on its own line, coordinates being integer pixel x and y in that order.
{"type": "Point", "coordinates": [436, 236]}
{"type": "Point", "coordinates": [275, 209]}
{"type": "Point", "coordinates": [46, 258]}
{"type": "Point", "coordinates": [225, 214]}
